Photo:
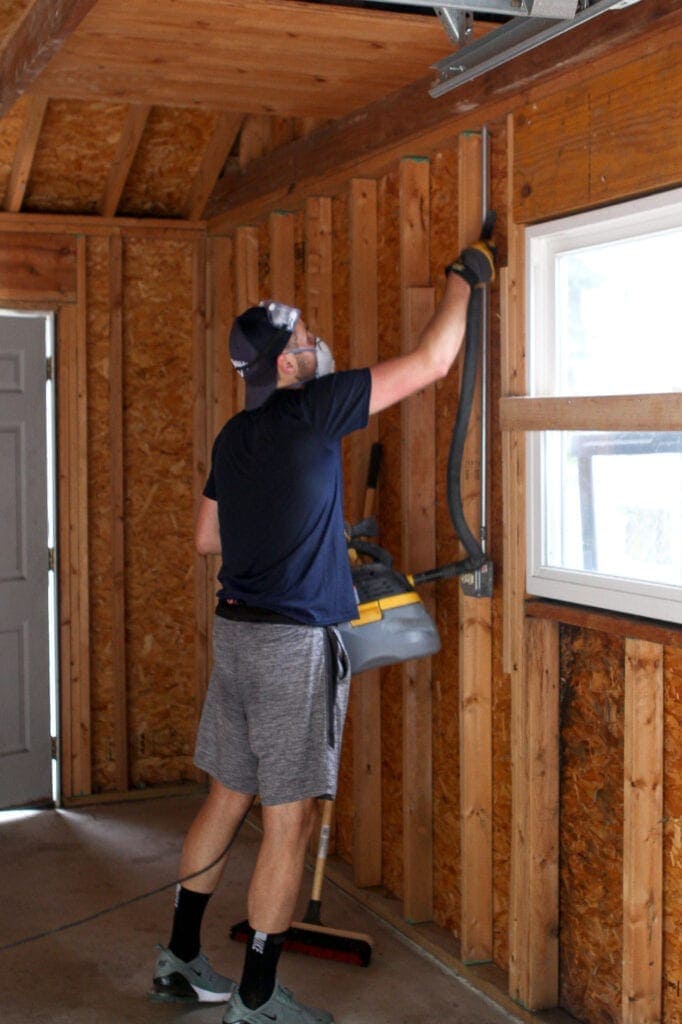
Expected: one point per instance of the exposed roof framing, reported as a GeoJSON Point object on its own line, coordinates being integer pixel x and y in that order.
{"type": "Point", "coordinates": [376, 136]}
{"type": "Point", "coordinates": [215, 155]}
{"type": "Point", "coordinates": [249, 56]}
{"type": "Point", "coordinates": [173, 108]}
{"type": "Point", "coordinates": [24, 153]}
{"type": "Point", "coordinates": [43, 29]}
{"type": "Point", "coordinates": [129, 140]}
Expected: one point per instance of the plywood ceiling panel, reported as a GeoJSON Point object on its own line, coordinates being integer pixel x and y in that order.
{"type": "Point", "coordinates": [260, 56]}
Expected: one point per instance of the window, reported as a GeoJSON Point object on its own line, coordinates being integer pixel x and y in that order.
{"type": "Point", "coordinates": [605, 507]}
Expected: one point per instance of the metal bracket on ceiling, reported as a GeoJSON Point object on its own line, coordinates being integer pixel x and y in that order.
{"type": "Point", "coordinates": [512, 39]}
{"type": "Point", "coordinates": [458, 25]}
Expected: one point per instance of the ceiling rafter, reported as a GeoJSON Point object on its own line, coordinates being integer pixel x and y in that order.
{"type": "Point", "coordinates": [128, 143]}
{"type": "Point", "coordinates": [45, 26]}
{"type": "Point", "coordinates": [215, 155]}
{"type": "Point", "coordinates": [373, 136]}
{"type": "Point", "coordinates": [25, 153]}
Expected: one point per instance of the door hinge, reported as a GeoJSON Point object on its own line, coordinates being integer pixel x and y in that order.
{"type": "Point", "coordinates": [49, 367]}
{"type": "Point", "coordinates": [54, 752]}
{"type": "Point", "coordinates": [51, 561]}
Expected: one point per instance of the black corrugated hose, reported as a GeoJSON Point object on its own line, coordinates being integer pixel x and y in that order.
{"type": "Point", "coordinates": [475, 557]}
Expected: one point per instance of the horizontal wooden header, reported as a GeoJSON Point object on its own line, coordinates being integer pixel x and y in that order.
{"type": "Point", "coordinates": [594, 412]}
{"type": "Point", "coordinates": [68, 224]}
{"type": "Point", "coordinates": [635, 628]}
{"type": "Point", "coordinates": [38, 267]}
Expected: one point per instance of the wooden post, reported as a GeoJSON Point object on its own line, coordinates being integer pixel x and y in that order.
{"type": "Point", "coordinates": [319, 312]}
{"type": "Point", "coordinates": [74, 606]}
{"type": "Point", "coordinates": [220, 376]}
{"type": "Point", "coordinates": [418, 540]}
{"type": "Point", "coordinates": [118, 611]}
{"type": "Point", "coordinates": [541, 969]}
{"type": "Point", "coordinates": [200, 465]}
{"type": "Point", "coordinates": [419, 553]}
{"type": "Point", "coordinates": [282, 267]}
{"type": "Point", "coordinates": [475, 645]}
{"type": "Point", "coordinates": [643, 834]}
{"type": "Point", "coordinates": [533, 955]}
{"type": "Point", "coordinates": [366, 689]}
{"type": "Point", "coordinates": [246, 286]}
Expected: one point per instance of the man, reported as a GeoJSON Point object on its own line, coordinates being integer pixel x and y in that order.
{"type": "Point", "coordinates": [273, 717]}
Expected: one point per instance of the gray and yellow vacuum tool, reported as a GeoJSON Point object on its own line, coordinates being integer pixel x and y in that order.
{"type": "Point", "coordinates": [392, 624]}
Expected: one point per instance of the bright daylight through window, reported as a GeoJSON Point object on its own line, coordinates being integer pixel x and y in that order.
{"type": "Point", "coordinates": [605, 508]}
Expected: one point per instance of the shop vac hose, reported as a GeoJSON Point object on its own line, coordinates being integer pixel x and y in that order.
{"type": "Point", "coordinates": [475, 556]}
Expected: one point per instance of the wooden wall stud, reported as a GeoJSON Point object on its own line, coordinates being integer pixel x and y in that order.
{"type": "Point", "coordinates": [118, 609]}
{"type": "Point", "coordinates": [282, 263]}
{"type": "Point", "coordinates": [643, 834]}
{"type": "Point", "coordinates": [475, 645]}
{"type": "Point", "coordinates": [319, 311]}
{"type": "Point", "coordinates": [366, 690]}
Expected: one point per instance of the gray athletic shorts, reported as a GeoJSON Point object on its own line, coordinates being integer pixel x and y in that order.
{"type": "Point", "coordinates": [265, 726]}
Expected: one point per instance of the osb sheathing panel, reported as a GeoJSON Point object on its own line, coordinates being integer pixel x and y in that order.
{"type": "Point", "coordinates": [591, 848]}
{"type": "Point", "coordinates": [11, 12]}
{"type": "Point", "coordinates": [501, 707]}
{"type": "Point", "coordinates": [446, 823]}
{"type": "Point", "coordinates": [167, 161]}
{"type": "Point", "coordinates": [390, 530]}
{"type": "Point", "coordinates": [159, 508]}
{"type": "Point", "coordinates": [10, 129]}
{"type": "Point", "coordinates": [100, 522]}
{"type": "Point", "coordinates": [76, 146]}
{"type": "Point", "coordinates": [672, 816]}
{"type": "Point", "coordinates": [341, 342]}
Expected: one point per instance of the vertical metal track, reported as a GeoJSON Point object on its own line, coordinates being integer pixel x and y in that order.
{"type": "Point", "coordinates": [485, 320]}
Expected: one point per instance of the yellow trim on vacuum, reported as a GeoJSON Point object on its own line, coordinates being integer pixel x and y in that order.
{"type": "Point", "coordinates": [372, 611]}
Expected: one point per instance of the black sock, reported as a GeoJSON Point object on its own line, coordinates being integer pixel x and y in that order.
{"type": "Point", "coordinates": [260, 967]}
{"type": "Point", "coordinates": [189, 910]}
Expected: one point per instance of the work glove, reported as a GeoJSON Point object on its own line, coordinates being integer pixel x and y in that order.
{"type": "Point", "coordinates": [476, 263]}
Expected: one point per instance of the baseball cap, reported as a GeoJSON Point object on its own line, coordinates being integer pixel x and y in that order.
{"type": "Point", "coordinates": [257, 337]}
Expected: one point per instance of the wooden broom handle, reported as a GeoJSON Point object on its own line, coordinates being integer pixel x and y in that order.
{"type": "Point", "coordinates": [323, 845]}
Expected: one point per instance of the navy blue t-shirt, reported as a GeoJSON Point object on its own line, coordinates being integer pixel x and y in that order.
{"type": "Point", "coordinates": [276, 475]}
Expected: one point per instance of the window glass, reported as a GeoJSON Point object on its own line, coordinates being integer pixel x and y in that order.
{"type": "Point", "coordinates": [605, 508]}
{"type": "Point", "coordinates": [617, 332]}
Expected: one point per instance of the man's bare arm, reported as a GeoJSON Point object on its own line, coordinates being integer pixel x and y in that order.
{"type": "Point", "coordinates": [442, 338]}
{"type": "Point", "coordinates": [439, 343]}
{"type": "Point", "coordinates": [207, 532]}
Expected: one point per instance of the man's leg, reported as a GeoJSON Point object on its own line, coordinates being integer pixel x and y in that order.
{"type": "Point", "coordinates": [277, 876]}
{"type": "Point", "coordinates": [209, 834]}
{"type": "Point", "coordinates": [273, 893]}
{"type": "Point", "coordinates": [181, 973]}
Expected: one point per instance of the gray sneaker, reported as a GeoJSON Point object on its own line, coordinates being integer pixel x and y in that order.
{"type": "Point", "coordinates": [195, 981]}
{"type": "Point", "coordinates": [280, 1007]}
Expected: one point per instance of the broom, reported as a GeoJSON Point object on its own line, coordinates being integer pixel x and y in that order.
{"type": "Point", "coordinates": [310, 936]}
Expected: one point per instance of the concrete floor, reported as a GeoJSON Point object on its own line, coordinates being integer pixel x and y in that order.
{"type": "Point", "coordinates": [59, 866]}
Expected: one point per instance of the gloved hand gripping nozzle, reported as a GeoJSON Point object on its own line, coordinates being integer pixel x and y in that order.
{"type": "Point", "coordinates": [476, 263]}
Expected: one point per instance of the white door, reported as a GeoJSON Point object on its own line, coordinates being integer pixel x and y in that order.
{"type": "Point", "coordinates": [25, 742]}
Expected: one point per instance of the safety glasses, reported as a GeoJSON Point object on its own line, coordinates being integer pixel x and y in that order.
{"type": "Point", "coordinates": [306, 348]}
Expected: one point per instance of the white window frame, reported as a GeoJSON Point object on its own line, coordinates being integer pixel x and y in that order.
{"type": "Point", "coordinates": [543, 243]}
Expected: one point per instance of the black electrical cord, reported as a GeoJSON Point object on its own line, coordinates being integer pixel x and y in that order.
{"type": "Point", "coordinates": [128, 902]}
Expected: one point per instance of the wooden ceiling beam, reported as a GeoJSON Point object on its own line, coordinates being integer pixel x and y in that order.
{"type": "Point", "coordinates": [24, 153]}
{"type": "Point", "coordinates": [217, 151]}
{"type": "Point", "coordinates": [127, 147]}
{"type": "Point", "coordinates": [271, 57]}
{"type": "Point", "coordinates": [39, 35]}
{"type": "Point", "coordinates": [371, 140]}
